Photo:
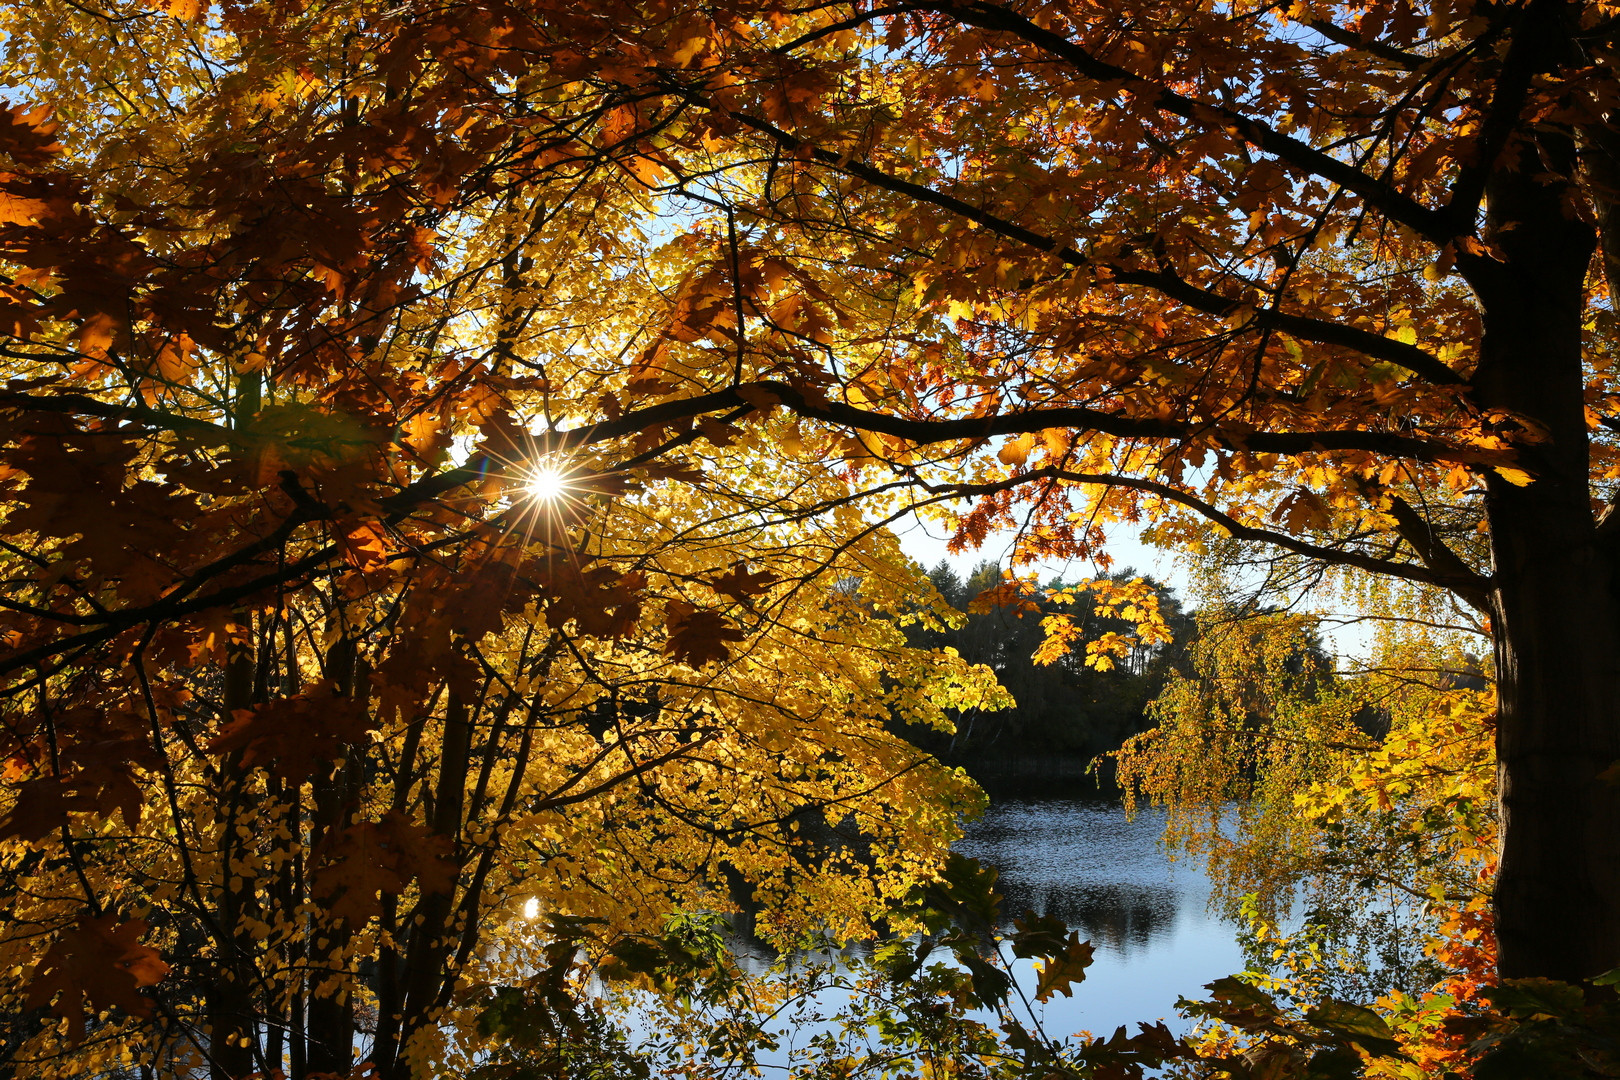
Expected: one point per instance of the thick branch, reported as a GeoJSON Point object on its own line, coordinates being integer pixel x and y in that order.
{"type": "Point", "coordinates": [1352, 40]}
{"type": "Point", "coordinates": [185, 601]}
{"type": "Point", "coordinates": [1416, 530]}
{"type": "Point", "coordinates": [1462, 581]}
{"type": "Point", "coordinates": [1384, 197]}
{"type": "Point", "coordinates": [1178, 289]}
{"type": "Point", "coordinates": [926, 431]}
{"type": "Point", "coordinates": [1536, 33]}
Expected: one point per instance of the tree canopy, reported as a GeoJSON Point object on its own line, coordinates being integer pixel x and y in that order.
{"type": "Point", "coordinates": [310, 311]}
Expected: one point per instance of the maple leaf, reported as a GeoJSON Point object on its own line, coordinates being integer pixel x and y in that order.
{"type": "Point", "coordinates": [368, 858]}
{"type": "Point", "coordinates": [739, 584]}
{"type": "Point", "coordinates": [101, 773]}
{"type": "Point", "coordinates": [365, 545]}
{"type": "Point", "coordinates": [290, 736]}
{"type": "Point", "coordinates": [42, 807]}
{"type": "Point", "coordinates": [600, 600]}
{"type": "Point", "coordinates": [99, 960]}
{"type": "Point", "coordinates": [697, 635]}
{"type": "Point", "coordinates": [28, 136]}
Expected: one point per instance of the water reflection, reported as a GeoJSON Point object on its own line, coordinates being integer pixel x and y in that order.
{"type": "Point", "coordinates": [1107, 877]}
{"type": "Point", "coordinates": [1119, 918]}
{"type": "Point", "coordinates": [1087, 864]}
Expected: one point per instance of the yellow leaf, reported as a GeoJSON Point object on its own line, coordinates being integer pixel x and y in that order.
{"type": "Point", "coordinates": [1016, 451]}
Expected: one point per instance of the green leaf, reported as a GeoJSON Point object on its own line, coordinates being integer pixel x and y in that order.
{"type": "Point", "coordinates": [1356, 1023]}
{"type": "Point", "coordinates": [1528, 998]}
{"type": "Point", "coordinates": [990, 983]}
{"type": "Point", "coordinates": [1233, 991]}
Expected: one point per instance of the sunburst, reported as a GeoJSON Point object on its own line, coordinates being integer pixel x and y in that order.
{"type": "Point", "coordinates": [546, 483]}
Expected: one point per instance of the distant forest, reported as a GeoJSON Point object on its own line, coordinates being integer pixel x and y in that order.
{"type": "Point", "coordinates": [1067, 714]}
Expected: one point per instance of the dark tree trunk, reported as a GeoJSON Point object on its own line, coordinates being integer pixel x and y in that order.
{"type": "Point", "coordinates": [433, 935]}
{"type": "Point", "coordinates": [331, 1012]}
{"type": "Point", "coordinates": [232, 1031]}
{"type": "Point", "coordinates": [1555, 620]}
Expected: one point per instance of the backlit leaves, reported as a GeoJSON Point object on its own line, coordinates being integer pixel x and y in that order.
{"type": "Point", "coordinates": [292, 736]}
{"type": "Point", "coordinates": [698, 635]}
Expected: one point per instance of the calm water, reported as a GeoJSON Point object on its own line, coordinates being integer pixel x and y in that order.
{"type": "Point", "coordinates": [1107, 877]}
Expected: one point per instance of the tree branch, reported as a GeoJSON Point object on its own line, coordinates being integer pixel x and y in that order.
{"type": "Point", "coordinates": [1398, 207]}
{"type": "Point", "coordinates": [1377, 346]}
{"type": "Point", "coordinates": [1517, 74]}
{"type": "Point", "coordinates": [1461, 582]}
{"type": "Point", "coordinates": [740, 400]}
{"type": "Point", "coordinates": [1352, 40]}
{"type": "Point", "coordinates": [1415, 529]}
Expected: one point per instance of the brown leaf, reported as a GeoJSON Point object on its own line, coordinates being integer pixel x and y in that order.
{"type": "Point", "coordinates": [599, 600]}
{"type": "Point", "coordinates": [354, 866]}
{"type": "Point", "coordinates": [290, 736]}
{"type": "Point", "coordinates": [100, 960]}
{"type": "Point", "coordinates": [42, 807]}
{"type": "Point", "coordinates": [697, 635]}
{"type": "Point", "coordinates": [739, 584]}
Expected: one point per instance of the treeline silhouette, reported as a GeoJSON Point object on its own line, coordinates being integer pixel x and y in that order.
{"type": "Point", "coordinates": [1067, 713]}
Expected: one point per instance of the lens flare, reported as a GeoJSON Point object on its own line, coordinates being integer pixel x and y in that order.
{"type": "Point", "coordinates": [546, 483]}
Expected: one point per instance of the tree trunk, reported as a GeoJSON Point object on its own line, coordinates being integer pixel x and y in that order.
{"type": "Point", "coordinates": [230, 995]}
{"type": "Point", "coordinates": [1555, 620]}
{"type": "Point", "coordinates": [330, 1024]}
{"type": "Point", "coordinates": [433, 935]}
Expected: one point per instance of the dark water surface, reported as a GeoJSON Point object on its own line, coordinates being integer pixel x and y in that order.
{"type": "Point", "coordinates": [1106, 876]}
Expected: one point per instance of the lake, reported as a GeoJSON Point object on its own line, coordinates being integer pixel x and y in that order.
{"type": "Point", "coordinates": [1105, 875]}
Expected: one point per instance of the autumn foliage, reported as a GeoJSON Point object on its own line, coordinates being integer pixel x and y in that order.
{"type": "Point", "coordinates": [448, 450]}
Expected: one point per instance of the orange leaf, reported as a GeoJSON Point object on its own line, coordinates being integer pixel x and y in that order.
{"type": "Point", "coordinates": [1016, 451]}
{"type": "Point", "coordinates": [28, 136]}
{"type": "Point", "coordinates": [365, 546]}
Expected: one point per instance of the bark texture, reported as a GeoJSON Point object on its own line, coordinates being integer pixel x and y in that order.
{"type": "Point", "coordinates": [1555, 617]}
